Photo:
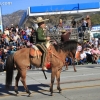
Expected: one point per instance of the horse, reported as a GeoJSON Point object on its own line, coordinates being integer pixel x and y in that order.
{"type": "Point", "coordinates": [72, 56]}
{"type": "Point", "coordinates": [21, 59]}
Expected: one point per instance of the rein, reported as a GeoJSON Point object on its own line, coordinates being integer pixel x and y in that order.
{"type": "Point", "coordinates": [50, 51]}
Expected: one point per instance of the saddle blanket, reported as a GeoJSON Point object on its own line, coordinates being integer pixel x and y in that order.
{"type": "Point", "coordinates": [34, 52]}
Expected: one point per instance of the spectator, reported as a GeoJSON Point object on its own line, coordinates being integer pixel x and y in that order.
{"type": "Point", "coordinates": [89, 55]}
{"type": "Point", "coordinates": [68, 61]}
{"type": "Point", "coordinates": [77, 55]}
{"type": "Point", "coordinates": [73, 23]}
{"type": "Point", "coordinates": [17, 28]}
{"type": "Point", "coordinates": [65, 35]}
{"type": "Point", "coordinates": [82, 57]}
{"type": "Point", "coordinates": [96, 42]}
{"type": "Point", "coordinates": [6, 31]}
{"type": "Point", "coordinates": [1, 64]}
{"type": "Point", "coordinates": [98, 60]}
{"type": "Point", "coordinates": [99, 47]}
{"type": "Point", "coordinates": [84, 23]}
{"type": "Point", "coordinates": [88, 21]}
{"type": "Point", "coordinates": [60, 23]}
{"type": "Point", "coordinates": [95, 51]}
{"type": "Point", "coordinates": [15, 39]}
{"type": "Point", "coordinates": [0, 31]}
{"type": "Point", "coordinates": [95, 58]}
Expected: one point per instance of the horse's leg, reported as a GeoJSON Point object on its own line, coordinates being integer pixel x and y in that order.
{"type": "Point", "coordinates": [16, 82]}
{"type": "Point", "coordinates": [53, 74]}
{"type": "Point", "coordinates": [73, 62]}
{"type": "Point", "coordinates": [23, 80]}
{"type": "Point", "coordinates": [58, 80]}
{"type": "Point", "coordinates": [72, 55]}
{"type": "Point", "coordinates": [66, 65]}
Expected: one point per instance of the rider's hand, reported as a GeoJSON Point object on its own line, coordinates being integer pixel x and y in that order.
{"type": "Point", "coordinates": [48, 38]}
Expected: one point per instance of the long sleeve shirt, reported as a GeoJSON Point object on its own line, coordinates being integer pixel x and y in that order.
{"type": "Point", "coordinates": [41, 37]}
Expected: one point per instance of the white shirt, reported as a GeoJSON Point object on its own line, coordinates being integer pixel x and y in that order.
{"type": "Point", "coordinates": [82, 55]}
{"type": "Point", "coordinates": [88, 51]}
{"type": "Point", "coordinates": [6, 32]}
{"type": "Point", "coordinates": [16, 38]}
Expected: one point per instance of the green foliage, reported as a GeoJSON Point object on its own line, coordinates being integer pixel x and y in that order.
{"type": "Point", "coordinates": [95, 19]}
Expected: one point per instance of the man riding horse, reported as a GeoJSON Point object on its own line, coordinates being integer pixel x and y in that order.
{"type": "Point", "coordinates": [42, 39]}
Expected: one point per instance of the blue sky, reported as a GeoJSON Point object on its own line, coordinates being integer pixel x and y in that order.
{"type": "Point", "coordinates": [24, 4]}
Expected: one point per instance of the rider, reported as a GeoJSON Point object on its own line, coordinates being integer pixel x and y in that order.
{"type": "Point", "coordinates": [41, 39]}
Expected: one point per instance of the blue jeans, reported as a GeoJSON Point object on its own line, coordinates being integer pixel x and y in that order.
{"type": "Point", "coordinates": [82, 61]}
{"type": "Point", "coordinates": [69, 60]}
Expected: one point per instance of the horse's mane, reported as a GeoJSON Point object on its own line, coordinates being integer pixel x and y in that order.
{"type": "Point", "coordinates": [69, 45]}
{"type": "Point", "coordinates": [66, 46]}
{"type": "Point", "coordinates": [57, 47]}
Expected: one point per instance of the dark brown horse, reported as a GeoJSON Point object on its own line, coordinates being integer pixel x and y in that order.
{"type": "Point", "coordinates": [21, 59]}
{"type": "Point", "coordinates": [72, 56]}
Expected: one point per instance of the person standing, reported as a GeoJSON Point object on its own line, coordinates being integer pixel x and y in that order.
{"type": "Point", "coordinates": [79, 49]}
{"type": "Point", "coordinates": [65, 35]}
{"type": "Point", "coordinates": [73, 22]}
{"type": "Point", "coordinates": [88, 21]}
{"type": "Point", "coordinates": [41, 39]}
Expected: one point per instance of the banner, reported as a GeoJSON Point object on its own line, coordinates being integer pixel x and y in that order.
{"type": "Point", "coordinates": [1, 27]}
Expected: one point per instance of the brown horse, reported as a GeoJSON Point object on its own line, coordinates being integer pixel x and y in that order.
{"type": "Point", "coordinates": [21, 59]}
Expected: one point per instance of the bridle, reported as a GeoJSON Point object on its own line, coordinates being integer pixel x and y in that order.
{"type": "Point", "coordinates": [50, 51]}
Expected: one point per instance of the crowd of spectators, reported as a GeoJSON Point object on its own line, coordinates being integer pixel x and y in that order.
{"type": "Point", "coordinates": [87, 52]}
{"type": "Point", "coordinates": [83, 23]}
{"type": "Point", "coordinates": [13, 39]}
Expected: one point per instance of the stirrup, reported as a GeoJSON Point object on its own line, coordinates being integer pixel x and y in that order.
{"type": "Point", "coordinates": [44, 68]}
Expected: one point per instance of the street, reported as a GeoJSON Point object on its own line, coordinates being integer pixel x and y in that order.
{"type": "Point", "coordinates": [80, 85]}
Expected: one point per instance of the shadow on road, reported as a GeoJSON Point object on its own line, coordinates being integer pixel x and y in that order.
{"type": "Point", "coordinates": [39, 88]}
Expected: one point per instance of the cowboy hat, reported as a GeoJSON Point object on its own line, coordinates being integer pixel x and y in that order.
{"type": "Point", "coordinates": [40, 19]}
{"type": "Point", "coordinates": [63, 31]}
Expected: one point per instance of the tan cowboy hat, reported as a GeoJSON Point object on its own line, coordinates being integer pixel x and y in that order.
{"type": "Point", "coordinates": [40, 19]}
{"type": "Point", "coordinates": [63, 31]}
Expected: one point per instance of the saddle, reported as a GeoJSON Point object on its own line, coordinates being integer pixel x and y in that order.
{"type": "Point", "coordinates": [35, 52]}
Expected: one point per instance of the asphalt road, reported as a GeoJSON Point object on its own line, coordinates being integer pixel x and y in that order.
{"type": "Point", "coordinates": [80, 85]}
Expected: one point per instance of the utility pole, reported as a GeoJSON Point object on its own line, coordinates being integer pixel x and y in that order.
{"type": "Point", "coordinates": [3, 4]}
{"type": "Point", "coordinates": [1, 26]}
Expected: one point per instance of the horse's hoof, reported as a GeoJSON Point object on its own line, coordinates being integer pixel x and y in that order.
{"type": "Point", "coordinates": [75, 70]}
{"type": "Point", "coordinates": [66, 69]}
{"type": "Point", "coordinates": [29, 94]}
{"type": "Point", "coordinates": [51, 94]}
{"type": "Point", "coordinates": [50, 90]}
{"type": "Point", "coordinates": [16, 92]}
{"type": "Point", "coordinates": [58, 88]}
{"type": "Point", "coordinates": [60, 91]}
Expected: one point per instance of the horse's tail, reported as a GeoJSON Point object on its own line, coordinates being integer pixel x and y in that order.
{"type": "Point", "coordinates": [9, 70]}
